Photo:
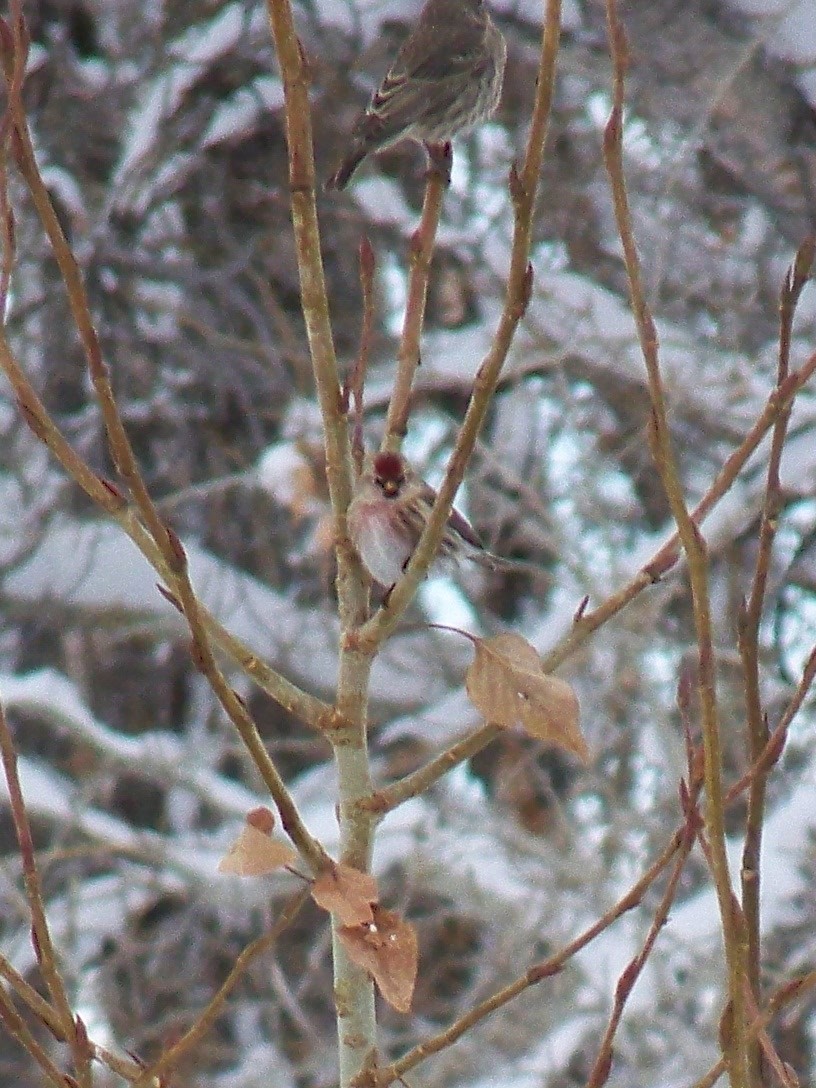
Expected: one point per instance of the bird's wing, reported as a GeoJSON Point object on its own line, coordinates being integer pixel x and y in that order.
{"type": "Point", "coordinates": [417, 86]}
{"type": "Point", "coordinates": [465, 529]}
{"type": "Point", "coordinates": [445, 52]}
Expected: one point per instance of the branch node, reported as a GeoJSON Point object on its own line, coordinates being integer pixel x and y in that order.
{"type": "Point", "coordinates": [540, 971]}
{"type": "Point", "coordinates": [518, 190]}
{"type": "Point", "coordinates": [526, 292]}
{"type": "Point", "coordinates": [171, 598]}
{"type": "Point", "coordinates": [578, 615]}
{"type": "Point", "coordinates": [178, 556]}
{"type": "Point", "coordinates": [115, 493]}
{"type": "Point", "coordinates": [197, 657]}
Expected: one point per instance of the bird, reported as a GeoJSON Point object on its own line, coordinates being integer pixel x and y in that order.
{"type": "Point", "coordinates": [446, 79]}
{"type": "Point", "coordinates": [388, 512]}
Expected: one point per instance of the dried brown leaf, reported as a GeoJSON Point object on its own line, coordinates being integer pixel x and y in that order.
{"type": "Point", "coordinates": [387, 948]}
{"type": "Point", "coordinates": [261, 818]}
{"type": "Point", "coordinates": [254, 854]}
{"type": "Point", "coordinates": [505, 682]}
{"type": "Point", "coordinates": [346, 892]}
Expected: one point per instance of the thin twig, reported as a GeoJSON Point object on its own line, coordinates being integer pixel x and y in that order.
{"type": "Point", "coordinates": [57, 1017]}
{"type": "Point", "coordinates": [46, 1014]}
{"type": "Point", "coordinates": [523, 190]}
{"type": "Point", "coordinates": [354, 389]}
{"type": "Point", "coordinates": [630, 974]}
{"type": "Point", "coordinates": [309, 848]}
{"type": "Point", "coordinates": [784, 995]}
{"type": "Point", "coordinates": [775, 744]}
{"type": "Point", "coordinates": [195, 1034]}
{"type": "Point", "coordinates": [666, 556]}
{"type": "Point", "coordinates": [531, 977]}
{"type": "Point", "coordinates": [7, 239]}
{"type": "Point", "coordinates": [352, 598]}
{"type": "Point", "coordinates": [385, 800]}
{"type": "Point", "coordinates": [40, 935]}
{"type": "Point", "coordinates": [767, 1051]}
{"type": "Point", "coordinates": [19, 1030]}
{"type": "Point", "coordinates": [731, 918]}
{"type": "Point", "coordinates": [408, 356]}
{"type": "Point", "coordinates": [748, 640]}
{"type": "Point", "coordinates": [353, 987]}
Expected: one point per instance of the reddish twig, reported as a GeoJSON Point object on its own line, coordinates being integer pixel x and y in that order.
{"type": "Point", "coordinates": [587, 622]}
{"type": "Point", "coordinates": [234, 706]}
{"type": "Point", "coordinates": [19, 1030]}
{"type": "Point", "coordinates": [46, 1014]}
{"type": "Point", "coordinates": [413, 785]}
{"type": "Point", "coordinates": [697, 556]}
{"type": "Point", "coordinates": [784, 995]}
{"type": "Point", "coordinates": [386, 1075]}
{"type": "Point", "coordinates": [775, 744]}
{"type": "Point", "coordinates": [603, 1063]}
{"type": "Point", "coordinates": [354, 389]}
{"type": "Point", "coordinates": [40, 933]}
{"type": "Point", "coordinates": [748, 637]}
{"type": "Point", "coordinates": [352, 595]}
{"type": "Point", "coordinates": [421, 254]}
{"type": "Point", "coordinates": [171, 1057]}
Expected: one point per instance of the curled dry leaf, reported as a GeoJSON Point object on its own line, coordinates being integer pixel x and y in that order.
{"type": "Point", "coordinates": [346, 892]}
{"type": "Point", "coordinates": [262, 818]}
{"type": "Point", "coordinates": [254, 853]}
{"type": "Point", "coordinates": [505, 682]}
{"type": "Point", "coordinates": [387, 948]}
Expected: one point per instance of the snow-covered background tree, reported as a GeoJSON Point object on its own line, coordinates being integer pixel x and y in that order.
{"type": "Point", "coordinates": [159, 134]}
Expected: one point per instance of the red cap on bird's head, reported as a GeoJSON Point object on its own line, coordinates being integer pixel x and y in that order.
{"type": "Point", "coordinates": [389, 469]}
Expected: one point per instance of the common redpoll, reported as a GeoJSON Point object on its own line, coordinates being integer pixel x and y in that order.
{"type": "Point", "coordinates": [388, 513]}
{"type": "Point", "coordinates": [446, 78]}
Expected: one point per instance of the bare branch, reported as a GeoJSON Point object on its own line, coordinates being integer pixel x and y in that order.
{"type": "Point", "coordinates": [408, 357]}
{"type": "Point", "coordinates": [696, 553]}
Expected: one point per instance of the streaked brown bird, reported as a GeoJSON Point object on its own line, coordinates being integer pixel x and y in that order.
{"type": "Point", "coordinates": [446, 78]}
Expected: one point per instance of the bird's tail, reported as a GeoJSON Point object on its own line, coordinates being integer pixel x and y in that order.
{"type": "Point", "coordinates": [499, 563]}
{"type": "Point", "coordinates": [342, 175]}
